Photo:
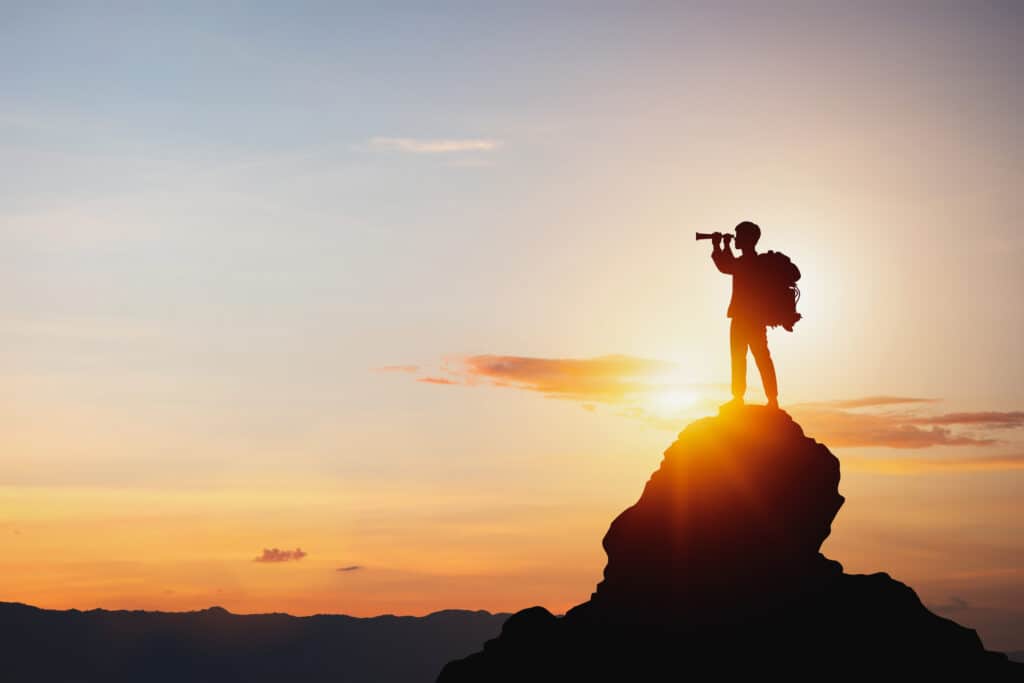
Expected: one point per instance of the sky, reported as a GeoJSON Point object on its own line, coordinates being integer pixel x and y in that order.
{"type": "Point", "coordinates": [391, 308]}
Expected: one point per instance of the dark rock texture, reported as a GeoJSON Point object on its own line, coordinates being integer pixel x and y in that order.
{"type": "Point", "coordinates": [717, 569]}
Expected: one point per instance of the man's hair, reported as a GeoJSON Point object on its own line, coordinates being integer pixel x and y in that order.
{"type": "Point", "coordinates": [748, 227]}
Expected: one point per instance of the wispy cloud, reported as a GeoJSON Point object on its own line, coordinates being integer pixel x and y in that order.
{"type": "Point", "coordinates": [875, 401]}
{"type": "Point", "coordinates": [651, 390]}
{"type": "Point", "coordinates": [277, 555]}
{"type": "Point", "coordinates": [397, 368]}
{"type": "Point", "coordinates": [991, 419]}
{"type": "Point", "coordinates": [605, 378]}
{"type": "Point", "coordinates": [644, 388]}
{"type": "Point", "coordinates": [349, 568]}
{"type": "Point", "coordinates": [988, 419]}
{"type": "Point", "coordinates": [435, 146]}
{"type": "Point", "coordinates": [918, 465]}
{"type": "Point", "coordinates": [841, 428]}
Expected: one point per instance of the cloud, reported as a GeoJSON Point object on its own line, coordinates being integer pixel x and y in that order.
{"type": "Point", "coordinates": [435, 146]}
{"type": "Point", "coordinates": [840, 423]}
{"type": "Point", "coordinates": [349, 568]}
{"type": "Point", "coordinates": [917, 465]}
{"type": "Point", "coordinates": [650, 390]}
{"type": "Point", "coordinates": [604, 378]}
{"type": "Point", "coordinates": [875, 401]}
{"type": "Point", "coordinates": [1008, 420]}
{"type": "Point", "coordinates": [643, 388]}
{"type": "Point", "coordinates": [609, 379]}
{"type": "Point", "coordinates": [397, 368]}
{"type": "Point", "coordinates": [842, 428]}
{"type": "Point", "coordinates": [277, 555]}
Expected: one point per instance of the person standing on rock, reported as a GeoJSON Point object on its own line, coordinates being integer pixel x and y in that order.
{"type": "Point", "coordinates": [748, 309]}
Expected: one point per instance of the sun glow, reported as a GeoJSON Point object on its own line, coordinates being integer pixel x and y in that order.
{"type": "Point", "coordinates": [671, 401]}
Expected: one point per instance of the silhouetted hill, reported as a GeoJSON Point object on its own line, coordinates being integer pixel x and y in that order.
{"type": "Point", "coordinates": [716, 573]}
{"type": "Point", "coordinates": [213, 645]}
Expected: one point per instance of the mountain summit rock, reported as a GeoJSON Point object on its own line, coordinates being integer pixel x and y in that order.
{"type": "Point", "coordinates": [717, 568]}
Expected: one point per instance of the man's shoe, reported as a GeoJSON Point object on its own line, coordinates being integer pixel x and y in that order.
{"type": "Point", "coordinates": [773, 403]}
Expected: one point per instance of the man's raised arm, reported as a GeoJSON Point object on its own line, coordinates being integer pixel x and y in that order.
{"type": "Point", "coordinates": [723, 257]}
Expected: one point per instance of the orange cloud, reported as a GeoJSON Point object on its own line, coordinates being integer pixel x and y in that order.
{"type": "Point", "coordinates": [640, 388]}
{"type": "Point", "coordinates": [988, 419]}
{"type": "Point", "coordinates": [842, 428]}
{"type": "Point", "coordinates": [605, 378]}
{"type": "Point", "coordinates": [995, 463]}
{"type": "Point", "coordinates": [398, 368]}
{"type": "Point", "coordinates": [277, 555]}
{"type": "Point", "coordinates": [875, 401]}
{"type": "Point", "coordinates": [436, 380]}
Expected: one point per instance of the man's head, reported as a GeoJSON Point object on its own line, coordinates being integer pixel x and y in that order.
{"type": "Point", "coordinates": [747, 235]}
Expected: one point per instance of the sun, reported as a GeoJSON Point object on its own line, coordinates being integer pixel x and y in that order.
{"type": "Point", "coordinates": [672, 400]}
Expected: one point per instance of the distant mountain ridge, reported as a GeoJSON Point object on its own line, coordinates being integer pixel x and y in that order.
{"type": "Point", "coordinates": [64, 646]}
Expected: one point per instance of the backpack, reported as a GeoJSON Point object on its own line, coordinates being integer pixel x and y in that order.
{"type": "Point", "coordinates": [778, 286]}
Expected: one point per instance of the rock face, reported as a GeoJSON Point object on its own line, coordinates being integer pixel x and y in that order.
{"type": "Point", "coordinates": [739, 505]}
{"type": "Point", "coordinates": [717, 567]}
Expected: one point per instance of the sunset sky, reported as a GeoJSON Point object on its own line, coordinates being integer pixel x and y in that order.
{"type": "Point", "coordinates": [310, 308]}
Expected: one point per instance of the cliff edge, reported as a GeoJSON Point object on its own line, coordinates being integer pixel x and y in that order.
{"type": "Point", "coordinates": [717, 568]}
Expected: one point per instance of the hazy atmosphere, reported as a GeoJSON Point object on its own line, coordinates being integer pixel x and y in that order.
{"type": "Point", "coordinates": [392, 308]}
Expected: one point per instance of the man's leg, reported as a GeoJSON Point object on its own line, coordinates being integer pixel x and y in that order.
{"type": "Point", "coordinates": [759, 348]}
{"type": "Point", "coordinates": [738, 350]}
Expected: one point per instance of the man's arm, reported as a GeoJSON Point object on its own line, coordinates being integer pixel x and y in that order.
{"type": "Point", "coordinates": [723, 257]}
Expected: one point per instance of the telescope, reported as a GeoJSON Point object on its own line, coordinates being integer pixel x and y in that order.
{"type": "Point", "coordinates": [712, 235]}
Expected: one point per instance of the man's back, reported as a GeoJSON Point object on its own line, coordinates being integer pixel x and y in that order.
{"type": "Point", "coordinates": [747, 302]}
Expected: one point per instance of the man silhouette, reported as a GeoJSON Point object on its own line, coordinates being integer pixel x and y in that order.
{"type": "Point", "coordinates": [747, 307]}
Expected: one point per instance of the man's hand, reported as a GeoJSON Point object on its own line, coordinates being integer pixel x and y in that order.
{"type": "Point", "coordinates": [724, 259]}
